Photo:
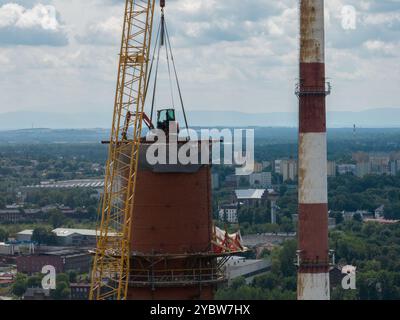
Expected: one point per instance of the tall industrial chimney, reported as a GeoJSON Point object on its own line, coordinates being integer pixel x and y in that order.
{"type": "Point", "coordinates": [313, 254]}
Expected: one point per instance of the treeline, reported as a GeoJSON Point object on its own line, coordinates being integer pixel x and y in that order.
{"type": "Point", "coordinates": [258, 220]}
{"type": "Point", "coordinates": [350, 193]}
{"type": "Point", "coordinates": [94, 152]}
{"type": "Point", "coordinates": [374, 249]}
{"type": "Point", "coordinates": [72, 198]}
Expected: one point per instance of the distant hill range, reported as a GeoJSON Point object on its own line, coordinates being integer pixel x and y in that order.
{"type": "Point", "coordinates": [374, 118]}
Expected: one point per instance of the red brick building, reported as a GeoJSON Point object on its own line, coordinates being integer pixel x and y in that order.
{"type": "Point", "coordinates": [63, 261]}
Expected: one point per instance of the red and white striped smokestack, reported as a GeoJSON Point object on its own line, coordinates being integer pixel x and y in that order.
{"type": "Point", "coordinates": [313, 273]}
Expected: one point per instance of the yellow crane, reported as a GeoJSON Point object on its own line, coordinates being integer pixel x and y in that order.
{"type": "Point", "coordinates": [111, 265]}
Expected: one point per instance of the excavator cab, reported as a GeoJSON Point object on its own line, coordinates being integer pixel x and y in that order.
{"type": "Point", "coordinates": [164, 118]}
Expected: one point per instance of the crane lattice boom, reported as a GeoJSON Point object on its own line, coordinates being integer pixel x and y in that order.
{"type": "Point", "coordinates": [110, 274]}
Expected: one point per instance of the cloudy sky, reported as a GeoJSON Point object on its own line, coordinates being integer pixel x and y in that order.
{"type": "Point", "coordinates": [241, 55]}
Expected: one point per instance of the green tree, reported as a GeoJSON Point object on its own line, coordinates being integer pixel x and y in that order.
{"type": "Point", "coordinates": [42, 235]}
{"type": "Point", "coordinates": [357, 217]}
{"type": "Point", "coordinates": [282, 190]}
{"type": "Point", "coordinates": [62, 291]}
{"type": "Point", "coordinates": [92, 212]}
{"type": "Point", "coordinates": [72, 277]}
{"type": "Point", "coordinates": [20, 285]}
{"type": "Point", "coordinates": [287, 225]}
{"type": "Point", "coordinates": [39, 235]}
{"type": "Point", "coordinates": [286, 257]}
{"type": "Point", "coordinates": [34, 281]}
{"type": "Point", "coordinates": [56, 218]}
{"type": "Point", "coordinates": [63, 277]}
{"type": "Point", "coordinates": [338, 293]}
{"type": "Point", "coordinates": [267, 281]}
{"type": "Point", "coordinates": [338, 217]}
{"type": "Point", "coordinates": [3, 234]}
{"type": "Point", "coordinates": [238, 282]}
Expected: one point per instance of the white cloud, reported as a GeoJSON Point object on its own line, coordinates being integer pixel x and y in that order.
{"type": "Point", "coordinates": [388, 48]}
{"type": "Point", "coordinates": [35, 26]}
{"type": "Point", "coordinates": [4, 59]}
{"type": "Point", "coordinates": [107, 32]}
{"type": "Point", "coordinates": [388, 18]}
{"type": "Point", "coordinates": [40, 16]}
{"type": "Point", "coordinates": [189, 6]}
{"type": "Point", "coordinates": [230, 55]}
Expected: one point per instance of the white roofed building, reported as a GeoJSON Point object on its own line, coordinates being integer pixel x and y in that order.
{"type": "Point", "coordinates": [25, 235]}
{"type": "Point", "coordinates": [67, 236]}
{"type": "Point", "coordinates": [76, 237]}
{"type": "Point", "coordinates": [252, 197]}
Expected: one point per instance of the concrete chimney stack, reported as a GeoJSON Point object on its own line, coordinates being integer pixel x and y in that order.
{"type": "Point", "coordinates": [313, 254]}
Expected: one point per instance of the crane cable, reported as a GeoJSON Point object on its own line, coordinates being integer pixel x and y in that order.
{"type": "Point", "coordinates": [155, 80]}
{"type": "Point", "coordinates": [177, 82]}
{"type": "Point", "coordinates": [163, 39]}
{"type": "Point", "coordinates": [168, 64]}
